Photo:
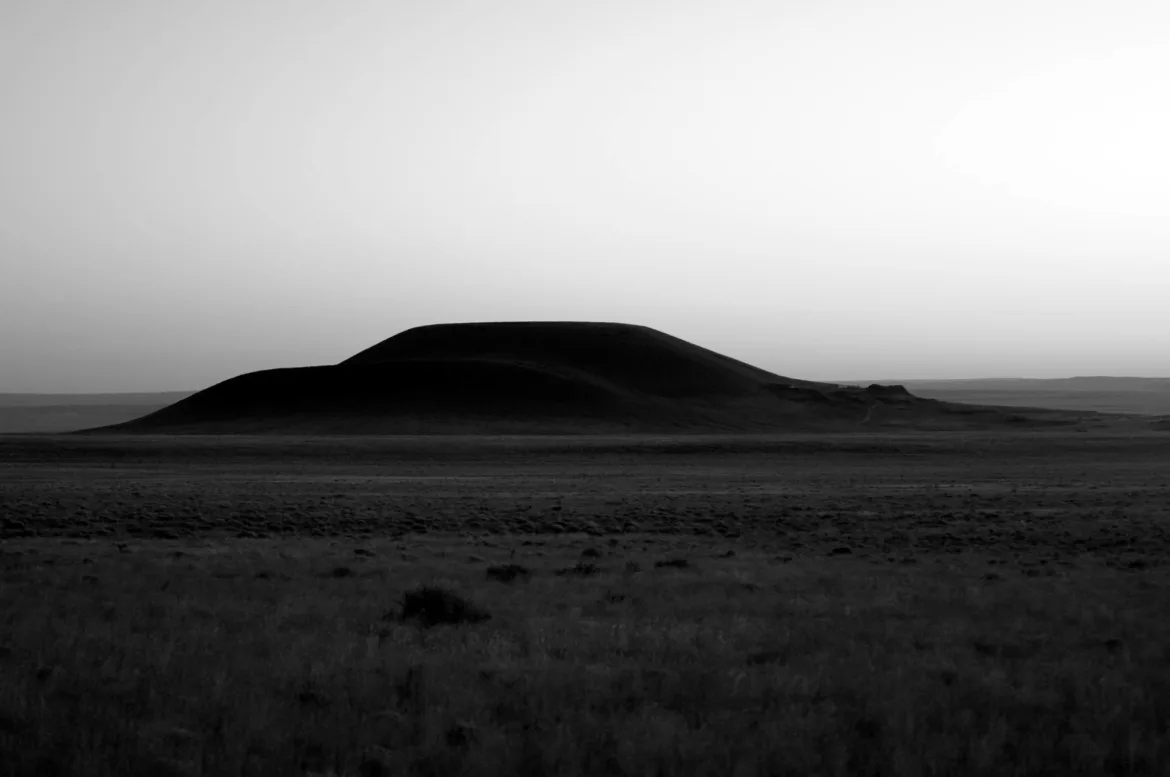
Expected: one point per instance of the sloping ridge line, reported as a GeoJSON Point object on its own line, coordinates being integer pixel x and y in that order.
{"type": "Point", "coordinates": [408, 385]}
{"type": "Point", "coordinates": [635, 357]}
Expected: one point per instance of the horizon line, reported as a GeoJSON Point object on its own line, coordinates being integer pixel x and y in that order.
{"type": "Point", "coordinates": [867, 381]}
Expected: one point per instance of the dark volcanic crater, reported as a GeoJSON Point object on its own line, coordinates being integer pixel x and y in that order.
{"type": "Point", "coordinates": [552, 377]}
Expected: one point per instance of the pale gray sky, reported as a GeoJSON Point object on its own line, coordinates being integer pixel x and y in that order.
{"type": "Point", "coordinates": [825, 188]}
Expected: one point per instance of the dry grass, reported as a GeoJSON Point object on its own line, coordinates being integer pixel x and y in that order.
{"type": "Point", "coordinates": [252, 657]}
{"type": "Point", "coordinates": [870, 605]}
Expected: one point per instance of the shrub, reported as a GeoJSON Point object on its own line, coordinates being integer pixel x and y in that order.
{"type": "Point", "coordinates": [433, 606]}
{"type": "Point", "coordinates": [580, 569]}
{"type": "Point", "coordinates": [506, 573]}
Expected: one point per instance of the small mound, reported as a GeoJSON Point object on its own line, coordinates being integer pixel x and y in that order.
{"type": "Point", "coordinates": [890, 392]}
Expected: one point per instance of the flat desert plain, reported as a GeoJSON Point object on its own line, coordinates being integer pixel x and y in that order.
{"type": "Point", "coordinates": [862, 604]}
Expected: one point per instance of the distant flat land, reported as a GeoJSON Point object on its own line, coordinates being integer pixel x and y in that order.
{"type": "Point", "coordinates": [1147, 396]}
{"type": "Point", "coordinates": [29, 413]}
{"type": "Point", "coordinates": [50, 413]}
{"type": "Point", "coordinates": [1021, 495]}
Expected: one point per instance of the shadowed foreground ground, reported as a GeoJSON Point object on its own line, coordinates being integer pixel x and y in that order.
{"type": "Point", "coordinates": [896, 606]}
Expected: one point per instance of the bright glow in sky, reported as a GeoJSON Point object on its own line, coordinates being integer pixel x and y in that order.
{"type": "Point", "coordinates": [829, 189]}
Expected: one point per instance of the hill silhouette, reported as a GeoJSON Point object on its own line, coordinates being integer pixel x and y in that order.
{"type": "Point", "coordinates": [625, 357]}
{"type": "Point", "coordinates": [548, 377]}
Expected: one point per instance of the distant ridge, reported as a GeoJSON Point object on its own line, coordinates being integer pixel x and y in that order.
{"type": "Point", "coordinates": [548, 377]}
{"type": "Point", "coordinates": [1078, 383]}
{"type": "Point", "coordinates": [1103, 394]}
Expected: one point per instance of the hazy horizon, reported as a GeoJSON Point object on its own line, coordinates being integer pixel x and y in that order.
{"type": "Point", "coordinates": [820, 188]}
{"type": "Point", "coordinates": [838, 380]}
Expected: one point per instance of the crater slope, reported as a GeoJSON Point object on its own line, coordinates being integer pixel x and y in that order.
{"type": "Point", "coordinates": [550, 377]}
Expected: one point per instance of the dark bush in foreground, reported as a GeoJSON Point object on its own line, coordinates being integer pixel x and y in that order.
{"type": "Point", "coordinates": [672, 563]}
{"type": "Point", "coordinates": [434, 606]}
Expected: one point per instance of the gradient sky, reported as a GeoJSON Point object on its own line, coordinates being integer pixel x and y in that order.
{"type": "Point", "coordinates": [830, 189]}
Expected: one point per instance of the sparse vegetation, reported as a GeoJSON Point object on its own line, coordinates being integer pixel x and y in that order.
{"type": "Point", "coordinates": [1000, 612]}
{"type": "Point", "coordinates": [197, 667]}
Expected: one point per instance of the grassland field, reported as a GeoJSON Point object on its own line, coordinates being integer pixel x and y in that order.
{"type": "Point", "coordinates": [865, 604]}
